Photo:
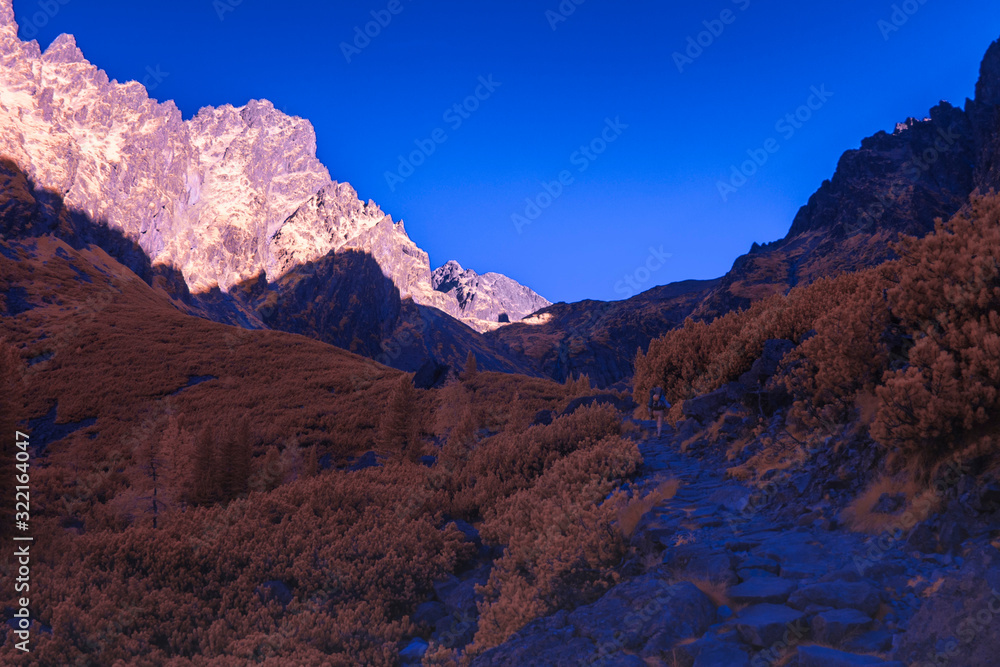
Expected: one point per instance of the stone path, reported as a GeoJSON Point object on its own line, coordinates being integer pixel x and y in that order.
{"type": "Point", "coordinates": [736, 586]}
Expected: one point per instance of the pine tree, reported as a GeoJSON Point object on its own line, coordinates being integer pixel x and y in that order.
{"type": "Point", "coordinates": [205, 469]}
{"type": "Point", "coordinates": [471, 369]}
{"type": "Point", "coordinates": [311, 468]}
{"type": "Point", "coordinates": [237, 457]}
{"type": "Point", "coordinates": [398, 428]}
{"type": "Point", "coordinates": [152, 464]}
{"type": "Point", "coordinates": [177, 450]}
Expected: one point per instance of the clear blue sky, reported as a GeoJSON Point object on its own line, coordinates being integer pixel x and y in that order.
{"type": "Point", "coordinates": [655, 185]}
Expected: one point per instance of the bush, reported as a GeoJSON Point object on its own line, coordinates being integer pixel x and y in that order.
{"type": "Point", "coordinates": [562, 539]}
{"type": "Point", "coordinates": [947, 299]}
{"type": "Point", "coordinates": [700, 357]}
{"type": "Point", "coordinates": [847, 355]}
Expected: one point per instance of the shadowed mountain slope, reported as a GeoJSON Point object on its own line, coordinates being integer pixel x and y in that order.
{"type": "Point", "coordinates": [893, 184]}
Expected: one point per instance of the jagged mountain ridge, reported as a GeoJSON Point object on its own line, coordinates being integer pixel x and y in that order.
{"type": "Point", "coordinates": [893, 184]}
{"type": "Point", "coordinates": [227, 197]}
{"type": "Point", "coordinates": [491, 297]}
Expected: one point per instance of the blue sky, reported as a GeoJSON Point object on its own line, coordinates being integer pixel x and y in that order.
{"type": "Point", "coordinates": [556, 81]}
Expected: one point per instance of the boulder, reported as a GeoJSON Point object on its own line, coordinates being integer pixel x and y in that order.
{"type": "Point", "coordinates": [875, 641]}
{"type": "Point", "coordinates": [839, 595]}
{"type": "Point", "coordinates": [952, 534]}
{"type": "Point", "coordinates": [923, 539]}
{"type": "Point", "coordinates": [707, 407]}
{"type": "Point", "coordinates": [710, 651]}
{"type": "Point", "coordinates": [832, 627]}
{"type": "Point", "coordinates": [767, 364]}
{"type": "Point", "coordinates": [456, 630]}
{"type": "Point", "coordinates": [759, 563]}
{"type": "Point", "coordinates": [763, 625]}
{"type": "Point", "coordinates": [643, 608]}
{"type": "Point", "coordinates": [557, 648]}
{"type": "Point", "coordinates": [820, 656]}
{"type": "Point", "coordinates": [701, 562]}
{"type": "Point", "coordinates": [988, 498]}
{"type": "Point", "coordinates": [552, 642]}
{"type": "Point", "coordinates": [414, 651]}
{"type": "Point", "coordinates": [762, 589]}
{"type": "Point", "coordinates": [722, 655]}
{"type": "Point", "coordinates": [459, 594]}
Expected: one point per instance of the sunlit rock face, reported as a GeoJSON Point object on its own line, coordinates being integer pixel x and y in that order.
{"type": "Point", "coordinates": [229, 195]}
{"type": "Point", "coordinates": [490, 297]}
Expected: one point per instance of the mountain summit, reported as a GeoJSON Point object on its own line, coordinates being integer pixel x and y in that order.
{"type": "Point", "coordinates": [490, 298]}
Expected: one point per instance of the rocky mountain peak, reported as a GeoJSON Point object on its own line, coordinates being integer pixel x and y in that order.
{"type": "Point", "coordinates": [988, 86]}
{"type": "Point", "coordinates": [446, 277]}
{"type": "Point", "coordinates": [8, 26]}
{"type": "Point", "coordinates": [491, 297]}
{"type": "Point", "coordinates": [64, 50]}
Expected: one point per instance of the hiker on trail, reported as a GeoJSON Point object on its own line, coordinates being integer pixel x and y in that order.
{"type": "Point", "coordinates": [658, 407]}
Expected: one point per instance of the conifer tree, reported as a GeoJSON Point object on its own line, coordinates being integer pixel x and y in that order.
{"type": "Point", "coordinates": [153, 464]}
{"type": "Point", "coordinates": [205, 468]}
{"type": "Point", "coordinates": [177, 450]}
{"type": "Point", "coordinates": [311, 468]}
{"type": "Point", "coordinates": [237, 456]}
{"type": "Point", "coordinates": [471, 369]}
{"type": "Point", "coordinates": [398, 428]}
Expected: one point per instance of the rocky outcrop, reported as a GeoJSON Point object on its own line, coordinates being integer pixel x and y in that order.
{"type": "Point", "coordinates": [227, 196]}
{"type": "Point", "coordinates": [489, 298]}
